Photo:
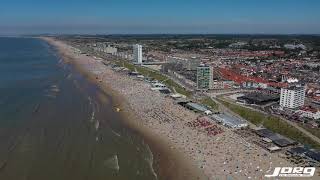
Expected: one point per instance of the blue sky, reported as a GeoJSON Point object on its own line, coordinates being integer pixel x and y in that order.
{"type": "Point", "coordinates": [160, 16]}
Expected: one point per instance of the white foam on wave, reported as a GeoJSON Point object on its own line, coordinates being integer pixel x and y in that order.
{"type": "Point", "coordinates": [54, 88]}
{"type": "Point", "coordinates": [52, 91]}
{"type": "Point", "coordinates": [97, 124]}
{"type": "Point", "coordinates": [117, 134]}
{"type": "Point", "coordinates": [69, 76]}
{"type": "Point", "coordinates": [112, 163]}
{"type": "Point", "coordinates": [50, 95]}
{"type": "Point", "coordinates": [92, 118]}
{"type": "Point", "coordinates": [150, 161]}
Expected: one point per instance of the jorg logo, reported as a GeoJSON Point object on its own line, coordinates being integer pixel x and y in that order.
{"type": "Point", "coordinates": [292, 172]}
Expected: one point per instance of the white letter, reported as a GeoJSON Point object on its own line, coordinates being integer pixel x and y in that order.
{"type": "Point", "coordinates": [309, 171]}
{"type": "Point", "coordinates": [275, 172]}
{"type": "Point", "coordinates": [286, 170]}
{"type": "Point", "coordinates": [297, 170]}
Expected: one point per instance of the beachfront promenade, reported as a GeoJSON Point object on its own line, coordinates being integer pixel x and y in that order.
{"type": "Point", "coordinates": [223, 155]}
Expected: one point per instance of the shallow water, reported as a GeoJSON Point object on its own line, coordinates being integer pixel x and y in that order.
{"type": "Point", "coordinates": [54, 126]}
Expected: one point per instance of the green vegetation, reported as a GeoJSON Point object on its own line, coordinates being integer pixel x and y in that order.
{"type": "Point", "coordinates": [314, 131]}
{"type": "Point", "coordinates": [273, 123]}
{"type": "Point", "coordinates": [156, 75]}
{"type": "Point", "coordinates": [209, 102]}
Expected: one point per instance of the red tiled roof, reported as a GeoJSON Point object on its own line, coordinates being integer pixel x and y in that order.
{"type": "Point", "coordinates": [238, 78]}
{"type": "Point", "coordinates": [309, 109]}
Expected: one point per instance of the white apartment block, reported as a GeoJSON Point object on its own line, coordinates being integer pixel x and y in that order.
{"type": "Point", "coordinates": [137, 54]}
{"type": "Point", "coordinates": [292, 97]}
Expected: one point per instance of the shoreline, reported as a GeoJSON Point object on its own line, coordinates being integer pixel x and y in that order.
{"type": "Point", "coordinates": [167, 161]}
{"type": "Point", "coordinates": [178, 146]}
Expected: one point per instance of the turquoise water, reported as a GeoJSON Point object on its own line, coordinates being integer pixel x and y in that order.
{"type": "Point", "coordinates": [53, 126]}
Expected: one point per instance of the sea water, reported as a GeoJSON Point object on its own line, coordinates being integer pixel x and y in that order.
{"type": "Point", "coordinates": [54, 124]}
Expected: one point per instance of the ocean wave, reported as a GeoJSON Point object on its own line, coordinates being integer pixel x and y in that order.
{"type": "Point", "coordinates": [112, 163]}
{"type": "Point", "coordinates": [150, 161]}
{"type": "Point", "coordinates": [53, 91]}
{"type": "Point", "coordinates": [117, 134]}
{"type": "Point", "coordinates": [97, 124]}
{"type": "Point", "coordinates": [92, 116]}
{"type": "Point", "coordinates": [54, 88]}
{"type": "Point", "coordinates": [69, 76]}
{"type": "Point", "coordinates": [50, 95]}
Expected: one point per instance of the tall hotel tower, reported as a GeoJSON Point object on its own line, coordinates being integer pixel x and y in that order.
{"type": "Point", "coordinates": [137, 54]}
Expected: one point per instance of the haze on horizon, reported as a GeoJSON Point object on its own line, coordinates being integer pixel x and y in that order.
{"type": "Point", "coordinates": [165, 16]}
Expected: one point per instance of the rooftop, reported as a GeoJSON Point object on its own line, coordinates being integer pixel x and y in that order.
{"type": "Point", "coordinates": [275, 137]}
{"type": "Point", "coordinates": [197, 106]}
{"type": "Point", "coordinates": [294, 87]}
{"type": "Point", "coordinates": [229, 120]}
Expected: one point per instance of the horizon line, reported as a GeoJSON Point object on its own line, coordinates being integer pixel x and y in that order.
{"type": "Point", "coordinates": [158, 34]}
{"type": "Point", "coordinates": [139, 34]}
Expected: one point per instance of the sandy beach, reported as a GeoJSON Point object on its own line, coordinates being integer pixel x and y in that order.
{"type": "Point", "coordinates": [182, 152]}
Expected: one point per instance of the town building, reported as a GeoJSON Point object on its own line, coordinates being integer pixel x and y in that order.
{"type": "Point", "coordinates": [292, 96]}
{"type": "Point", "coordinates": [295, 46]}
{"type": "Point", "coordinates": [192, 64]}
{"type": "Point", "coordinates": [204, 77]}
{"type": "Point", "coordinates": [309, 112]}
{"type": "Point", "coordinates": [229, 121]}
{"type": "Point", "coordinates": [111, 50]}
{"type": "Point", "coordinates": [137, 54]}
{"type": "Point", "coordinates": [276, 138]}
{"type": "Point", "coordinates": [217, 84]}
{"type": "Point", "coordinates": [258, 98]}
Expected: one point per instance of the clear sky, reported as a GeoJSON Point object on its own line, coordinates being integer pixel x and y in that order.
{"type": "Point", "coordinates": [160, 16]}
